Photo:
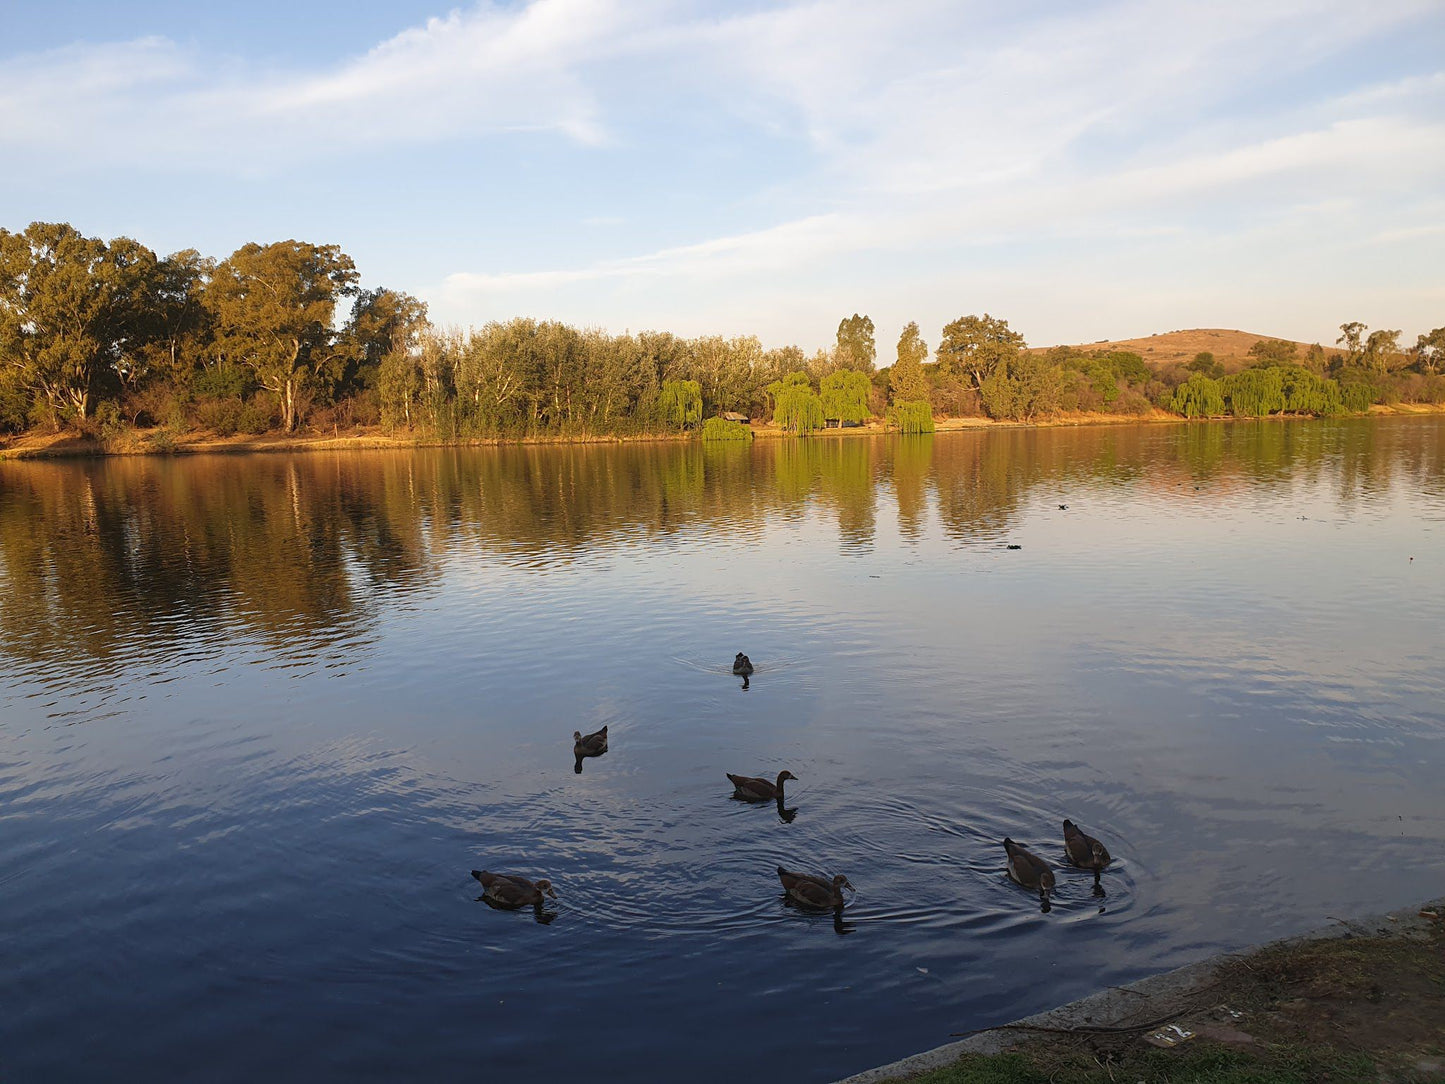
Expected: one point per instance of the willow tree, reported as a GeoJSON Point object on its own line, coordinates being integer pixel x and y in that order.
{"type": "Point", "coordinates": [273, 307]}
{"type": "Point", "coordinates": [911, 416]}
{"type": "Point", "coordinates": [1254, 393]}
{"type": "Point", "coordinates": [681, 402]}
{"type": "Point", "coordinates": [796, 406]}
{"type": "Point", "coordinates": [906, 382]}
{"type": "Point", "coordinates": [845, 396]}
{"type": "Point", "coordinates": [1198, 397]}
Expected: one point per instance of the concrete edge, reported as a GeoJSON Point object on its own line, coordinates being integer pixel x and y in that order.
{"type": "Point", "coordinates": [1146, 999]}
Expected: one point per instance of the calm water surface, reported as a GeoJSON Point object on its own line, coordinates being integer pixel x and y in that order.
{"type": "Point", "coordinates": [260, 716]}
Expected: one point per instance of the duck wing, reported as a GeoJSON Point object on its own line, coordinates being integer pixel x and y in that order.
{"type": "Point", "coordinates": [1027, 868]}
{"type": "Point", "coordinates": [753, 787]}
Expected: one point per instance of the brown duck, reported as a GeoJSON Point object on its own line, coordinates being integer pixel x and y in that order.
{"type": "Point", "coordinates": [815, 892]}
{"type": "Point", "coordinates": [589, 745]}
{"type": "Point", "coordinates": [1084, 851]}
{"type": "Point", "coordinates": [753, 789]}
{"type": "Point", "coordinates": [1028, 869]}
{"type": "Point", "coordinates": [508, 890]}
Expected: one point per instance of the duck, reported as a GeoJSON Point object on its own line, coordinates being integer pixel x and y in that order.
{"type": "Point", "coordinates": [742, 664]}
{"type": "Point", "coordinates": [1084, 851]}
{"type": "Point", "coordinates": [1028, 869]}
{"type": "Point", "coordinates": [753, 789]}
{"type": "Point", "coordinates": [589, 745]}
{"type": "Point", "coordinates": [815, 892]}
{"type": "Point", "coordinates": [509, 890]}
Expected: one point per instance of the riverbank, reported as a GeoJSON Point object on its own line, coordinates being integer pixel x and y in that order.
{"type": "Point", "coordinates": [1354, 1001]}
{"type": "Point", "coordinates": [163, 441]}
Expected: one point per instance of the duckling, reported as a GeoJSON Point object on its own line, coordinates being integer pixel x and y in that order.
{"type": "Point", "coordinates": [1084, 851]}
{"type": "Point", "coordinates": [589, 745]}
{"type": "Point", "coordinates": [1028, 869]}
{"type": "Point", "coordinates": [753, 789]}
{"type": "Point", "coordinates": [742, 665]}
{"type": "Point", "coordinates": [815, 892]}
{"type": "Point", "coordinates": [509, 890]}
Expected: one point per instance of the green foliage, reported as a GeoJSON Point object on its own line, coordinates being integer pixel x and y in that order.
{"type": "Point", "coordinates": [855, 348]}
{"type": "Point", "coordinates": [218, 382]}
{"type": "Point", "coordinates": [1198, 397]}
{"type": "Point", "coordinates": [273, 307]}
{"type": "Point", "coordinates": [796, 407]}
{"type": "Point", "coordinates": [723, 429]}
{"type": "Point", "coordinates": [906, 379]}
{"type": "Point", "coordinates": [1274, 352]}
{"type": "Point", "coordinates": [681, 402]}
{"type": "Point", "coordinates": [978, 346]}
{"type": "Point", "coordinates": [1430, 351]}
{"type": "Point", "coordinates": [1022, 388]}
{"type": "Point", "coordinates": [845, 396]}
{"type": "Point", "coordinates": [911, 416]}
{"type": "Point", "coordinates": [1254, 393]}
{"type": "Point", "coordinates": [1204, 363]}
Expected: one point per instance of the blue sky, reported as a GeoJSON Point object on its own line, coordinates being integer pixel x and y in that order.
{"type": "Point", "coordinates": [1084, 169]}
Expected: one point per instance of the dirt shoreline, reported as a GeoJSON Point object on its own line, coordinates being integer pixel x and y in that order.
{"type": "Point", "coordinates": [1366, 997]}
{"type": "Point", "coordinates": [159, 441]}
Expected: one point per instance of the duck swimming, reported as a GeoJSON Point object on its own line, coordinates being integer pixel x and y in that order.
{"type": "Point", "coordinates": [753, 789]}
{"type": "Point", "coordinates": [589, 745]}
{"type": "Point", "coordinates": [509, 890]}
{"type": "Point", "coordinates": [816, 892]}
{"type": "Point", "coordinates": [1084, 851]}
{"type": "Point", "coordinates": [742, 665]}
{"type": "Point", "coordinates": [1029, 870]}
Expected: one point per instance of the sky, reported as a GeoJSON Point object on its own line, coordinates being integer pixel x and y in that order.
{"type": "Point", "coordinates": [1086, 169]}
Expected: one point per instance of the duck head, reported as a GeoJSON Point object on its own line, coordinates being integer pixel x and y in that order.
{"type": "Point", "coordinates": [544, 886]}
{"type": "Point", "coordinates": [840, 882]}
{"type": "Point", "coordinates": [577, 736]}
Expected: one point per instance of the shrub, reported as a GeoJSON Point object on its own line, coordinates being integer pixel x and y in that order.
{"type": "Point", "coordinates": [220, 416]}
{"type": "Point", "coordinates": [722, 429]}
{"type": "Point", "coordinates": [218, 383]}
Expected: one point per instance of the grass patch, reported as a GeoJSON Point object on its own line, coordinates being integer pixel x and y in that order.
{"type": "Point", "coordinates": [1352, 1008]}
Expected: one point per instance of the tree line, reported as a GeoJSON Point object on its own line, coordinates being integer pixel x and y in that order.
{"type": "Point", "coordinates": [107, 337]}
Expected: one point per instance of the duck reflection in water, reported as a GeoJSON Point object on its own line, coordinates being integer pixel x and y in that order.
{"type": "Point", "coordinates": [784, 814]}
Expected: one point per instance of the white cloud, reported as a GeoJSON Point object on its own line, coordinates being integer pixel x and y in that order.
{"type": "Point", "coordinates": [931, 145]}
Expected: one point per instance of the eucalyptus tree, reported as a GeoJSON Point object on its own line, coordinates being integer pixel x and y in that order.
{"type": "Point", "coordinates": [273, 307]}
{"type": "Point", "coordinates": [73, 311]}
{"type": "Point", "coordinates": [1380, 350]}
{"type": "Point", "coordinates": [1430, 351]}
{"type": "Point", "coordinates": [978, 346]}
{"type": "Point", "coordinates": [382, 322]}
{"type": "Point", "coordinates": [1351, 338]}
{"type": "Point", "coordinates": [855, 348]}
{"type": "Point", "coordinates": [906, 380]}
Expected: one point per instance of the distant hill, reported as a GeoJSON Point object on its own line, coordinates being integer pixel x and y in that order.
{"type": "Point", "coordinates": [1230, 348]}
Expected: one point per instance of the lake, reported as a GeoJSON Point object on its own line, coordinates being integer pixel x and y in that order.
{"type": "Point", "coordinates": [261, 715]}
